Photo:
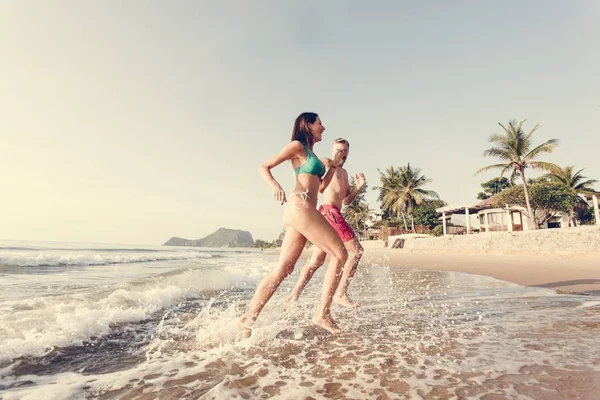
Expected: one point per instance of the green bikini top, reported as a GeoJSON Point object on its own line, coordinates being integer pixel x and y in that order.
{"type": "Point", "coordinates": [312, 165]}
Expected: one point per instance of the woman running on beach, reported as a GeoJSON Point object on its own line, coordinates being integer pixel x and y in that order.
{"type": "Point", "coordinates": [302, 220]}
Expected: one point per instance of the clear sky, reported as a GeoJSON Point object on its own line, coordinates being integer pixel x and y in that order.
{"type": "Point", "coordinates": [135, 121]}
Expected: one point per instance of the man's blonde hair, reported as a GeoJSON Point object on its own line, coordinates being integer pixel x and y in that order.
{"type": "Point", "coordinates": [342, 141]}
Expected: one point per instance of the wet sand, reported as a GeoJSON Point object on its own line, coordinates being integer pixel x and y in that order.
{"type": "Point", "coordinates": [417, 335]}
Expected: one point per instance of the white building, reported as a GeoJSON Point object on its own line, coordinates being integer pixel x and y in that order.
{"type": "Point", "coordinates": [484, 217]}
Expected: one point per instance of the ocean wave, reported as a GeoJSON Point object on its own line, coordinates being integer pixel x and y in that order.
{"type": "Point", "coordinates": [100, 249]}
{"type": "Point", "coordinates": [89, 259]}
{"type": "Point", "coordinates": [35, 327]}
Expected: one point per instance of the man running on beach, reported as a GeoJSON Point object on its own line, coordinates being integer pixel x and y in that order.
{"type": "Point", "coordinates": [336, 195]}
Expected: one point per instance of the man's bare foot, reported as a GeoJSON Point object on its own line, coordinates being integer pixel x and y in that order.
{"type": "Point", "coordinates": [292, 298]}
{"type": "Point", "coordinates": [326, 323]}
{"type": "Point", "coordinates": [345, 301]}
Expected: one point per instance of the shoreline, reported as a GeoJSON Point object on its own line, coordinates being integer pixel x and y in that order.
{"type": "Point", "coordinates": [565, 273]}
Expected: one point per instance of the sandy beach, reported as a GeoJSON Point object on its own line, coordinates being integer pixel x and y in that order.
{"type": "Point", "coordinates": [565, 260]}
{"type": "Point", "coordinates": [577, 273]}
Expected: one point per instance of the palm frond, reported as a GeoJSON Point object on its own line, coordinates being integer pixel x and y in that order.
{"type": "Point", "coordinates": [546, 147]}
{"type": "Point", "coordinates": [546, 166]}
{"type": "Point", "coordinates": [502, 154]}
{"type": "Point", "coordinates": [490, 167]}
{"type": "Point", "coordinates": [532, 131]}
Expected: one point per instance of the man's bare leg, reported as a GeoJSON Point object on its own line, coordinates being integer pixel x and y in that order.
{"type": "Point", "coordinates": [355, 252]}
{"type": "Point", "coordinates": [317, 259]}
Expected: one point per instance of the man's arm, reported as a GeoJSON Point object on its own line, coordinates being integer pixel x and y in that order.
{"type": "Point", "coordinates": [360, 182]}
{"type": "Point", "coordinates": [351, 196]}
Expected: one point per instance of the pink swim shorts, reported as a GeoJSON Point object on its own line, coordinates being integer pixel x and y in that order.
{"type": "Point", "coordinates": [334, 216]}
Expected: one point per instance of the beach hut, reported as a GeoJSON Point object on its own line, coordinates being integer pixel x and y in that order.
{"type": "Point", "coordinates": [488, 218]}
{"type": "Point", "coordinates": [491, 218]}
{"type": "Point", "coordinates": [592, 199]}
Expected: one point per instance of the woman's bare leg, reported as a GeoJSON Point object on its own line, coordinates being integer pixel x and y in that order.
{"type": "Point", "coordinates": [315, 228]}
{"type": "Point", "coordinates": [291, 249]}
{"type": "Point", "coordinates": [317, 259]}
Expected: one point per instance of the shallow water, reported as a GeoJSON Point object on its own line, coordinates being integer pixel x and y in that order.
{"type": "Point", "coordinates": [167, 329]}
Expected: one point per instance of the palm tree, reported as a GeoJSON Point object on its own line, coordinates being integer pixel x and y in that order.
{"type": "Point", "coordinates": [402, 190]}
{"type": "Point", "coordinates": [357, 214]}
{"type": "Point", "coordinates": [387, 193]}
{"type": "Point", "coordinates": [578, 183]}
{"type": "Point", "coordinates": [513, 148]}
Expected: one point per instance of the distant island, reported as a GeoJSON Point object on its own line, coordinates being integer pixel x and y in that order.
{"type": "Point", "coordinates": [222, 237]}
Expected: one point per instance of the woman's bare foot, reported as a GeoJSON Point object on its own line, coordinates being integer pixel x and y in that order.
{"type": "Point", "coordinates": [326, 323]}
{"type": "Point", "coordinates": [245, 327]}
{"type": "Point", "coordinates": [345, 301]}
